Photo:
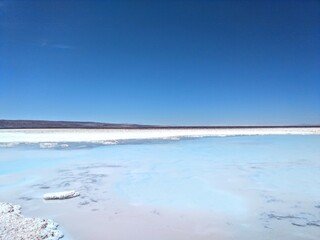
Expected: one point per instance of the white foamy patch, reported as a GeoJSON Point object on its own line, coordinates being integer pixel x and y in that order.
{"type": "Point", "coordinates": [48, 145]}
{"type": "Point", "coordinates": [53, 145]}
{"type": "Point", "coordinates": [9, 144]}
{"type": "Point", "coordinates": [107, 136]}
{"type": "Point", "coordinates": [172, 138]}
{"type": "Point", "coordinates": [105, 142]}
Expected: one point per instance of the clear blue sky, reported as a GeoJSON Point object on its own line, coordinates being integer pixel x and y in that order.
{"type": "Point", "coordinates": [161, 62]}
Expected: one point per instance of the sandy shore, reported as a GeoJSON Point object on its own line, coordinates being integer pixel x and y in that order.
{"type": "Point", "coordinates": [10, 136]}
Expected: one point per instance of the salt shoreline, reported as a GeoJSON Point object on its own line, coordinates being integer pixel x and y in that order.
{"type": "Point", "coordinates": [101, 135]}
{"type": "Point", "coordinates": [13, 225]}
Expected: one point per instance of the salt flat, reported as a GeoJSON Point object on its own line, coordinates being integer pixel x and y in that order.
{"type": "Point", "coordinates": [100, 135]}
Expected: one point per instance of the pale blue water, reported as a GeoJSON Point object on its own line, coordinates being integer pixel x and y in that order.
{"type": "Point", "coordinates": [266, 178]}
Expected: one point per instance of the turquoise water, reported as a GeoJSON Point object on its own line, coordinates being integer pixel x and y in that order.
{"type": "Point", "coordinates": [266, 178]}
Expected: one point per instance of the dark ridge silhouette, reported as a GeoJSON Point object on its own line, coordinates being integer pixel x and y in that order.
{"type": "Point", "coordinates": [38, 124]}
{"type": "Point", "coordinates": [23, 124]}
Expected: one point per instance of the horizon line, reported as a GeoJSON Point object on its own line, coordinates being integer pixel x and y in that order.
{"type": "Point", "coordinates": [57, 124]}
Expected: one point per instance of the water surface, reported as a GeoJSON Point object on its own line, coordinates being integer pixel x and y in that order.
{"type": "Point", "coordinates": [261, 187]}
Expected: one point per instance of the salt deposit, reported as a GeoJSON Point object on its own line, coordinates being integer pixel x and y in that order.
{"type": "Point", "coordinates": [50, 137]}
{"type": "Point", "coordinates": [14, 226]}
{"type": "Point", "coordinates": [61, 195]}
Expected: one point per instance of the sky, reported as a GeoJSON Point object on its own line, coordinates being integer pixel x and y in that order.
{"type": "Point", "coordinates": [161, 62]}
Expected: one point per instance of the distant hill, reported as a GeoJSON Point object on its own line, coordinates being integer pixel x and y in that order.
{"type": "Point", "coordinates": [23, 124]}
{"type": "Point", "coordinates": [38, 124]}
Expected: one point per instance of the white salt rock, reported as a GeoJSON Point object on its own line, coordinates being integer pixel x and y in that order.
{"type": "Point", "coordinates": [61, 195]}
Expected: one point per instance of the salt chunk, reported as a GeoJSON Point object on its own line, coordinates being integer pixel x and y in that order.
{"type": "Point", "coordinates": [61, 195]}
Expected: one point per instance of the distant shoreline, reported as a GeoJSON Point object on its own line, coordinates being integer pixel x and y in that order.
{"type": "Point", "coordinates": [43, 124]}
{"type": "Point", "coordinates": [112, 136]}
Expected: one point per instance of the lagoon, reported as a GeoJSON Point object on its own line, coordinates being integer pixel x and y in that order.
{"type": "Point", "coordinates": [236, 187]}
